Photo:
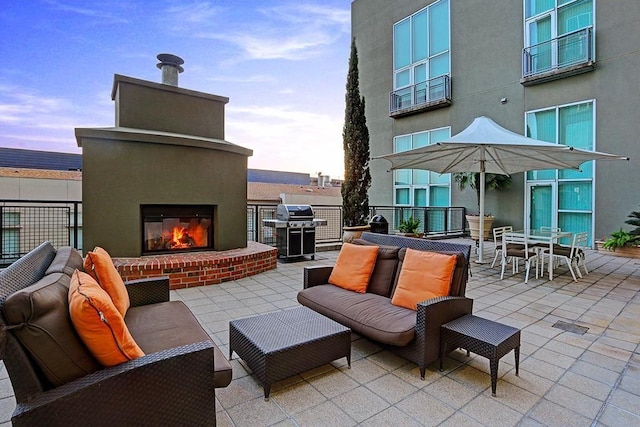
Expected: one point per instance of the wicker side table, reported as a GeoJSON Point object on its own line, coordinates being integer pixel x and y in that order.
{"type": "Point", "coordinates": [484, 337]}
{"type": "Point", "coordinates": [285, 343]}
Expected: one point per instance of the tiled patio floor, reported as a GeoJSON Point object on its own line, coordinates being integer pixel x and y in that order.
{"type": "Point", "coordinates": [566, 379]}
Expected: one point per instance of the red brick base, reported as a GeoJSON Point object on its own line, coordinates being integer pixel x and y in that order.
{"type": "Point", "coordinates": [186, 270]}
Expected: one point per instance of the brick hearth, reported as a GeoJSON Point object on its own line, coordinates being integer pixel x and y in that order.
{"type": "Point", "coordinates": [187, 270]}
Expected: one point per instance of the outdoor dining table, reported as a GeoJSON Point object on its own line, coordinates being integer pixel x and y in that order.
{"type": "Point", "coordinates": [542, 237]}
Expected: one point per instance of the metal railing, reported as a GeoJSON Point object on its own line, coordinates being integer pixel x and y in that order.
{"type": "Point", "coordinates": [426, 93]}
{"type": "Point", "coordinates": [566, 51]}
{"type": "Point", "coordinates": [26, 224]}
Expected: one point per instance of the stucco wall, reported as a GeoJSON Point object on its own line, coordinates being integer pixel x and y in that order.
{"type": "Point", "coordinates": [121, 175]}
{"type": "Point", "coordinates": [486, 46]}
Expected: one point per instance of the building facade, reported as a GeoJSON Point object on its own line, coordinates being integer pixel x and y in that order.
{"type": "Point", "coordinates": [563, 71]}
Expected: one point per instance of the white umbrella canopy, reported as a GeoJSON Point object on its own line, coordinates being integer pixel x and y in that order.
{"type": "Point", "coordinates": [486, 147]}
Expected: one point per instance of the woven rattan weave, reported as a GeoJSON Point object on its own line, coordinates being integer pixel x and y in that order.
{"type": "Point", "coordinates": [484, 337]}
{"type": "Point", "coordinates": [282, 344]}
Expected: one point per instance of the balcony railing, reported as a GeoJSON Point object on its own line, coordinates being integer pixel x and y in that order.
{"type": "Point", "coordinates": [26, 224]}
{"type": "Point", "coordinates": [429, 95]}
{"type": "Point", "coordinates": [567, 55]}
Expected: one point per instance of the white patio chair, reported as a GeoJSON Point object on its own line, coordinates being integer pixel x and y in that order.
{"type": "Point", "coordinates": [543, 248]}
{"type": "Point", "coordinates": [516, 246]}
{"type": "Point", "coordinates": [497, 241]}
{"type": "Point", "coordinates": [573, 255]}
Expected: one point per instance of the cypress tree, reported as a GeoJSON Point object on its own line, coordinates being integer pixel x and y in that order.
{"type": "Point", "coordinates": [355, 138]}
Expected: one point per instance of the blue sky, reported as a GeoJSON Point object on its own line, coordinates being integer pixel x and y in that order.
{"type": "Point", "coordinates": [282, 63]}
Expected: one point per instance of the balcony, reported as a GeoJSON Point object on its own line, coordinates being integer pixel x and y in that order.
{"type": "Point", "coordinates": [425, 96]}
{"type": "Point", "coordinates": [557, 58]}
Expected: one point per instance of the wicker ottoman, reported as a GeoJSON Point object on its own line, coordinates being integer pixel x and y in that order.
{"type": "Point", "coordinates": [282, 344]}
{"type": "Point", "coordinates": [484, 337]}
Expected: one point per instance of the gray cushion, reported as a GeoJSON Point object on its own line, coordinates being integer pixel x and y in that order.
{"type": "Point", "coordinates": [367, 314]}
{"type": "Point", "coordinates": [66, 261]}
{"type": "Point", "coordinates": [166, 325]}
{"type": "Point", "coordinates": [41, 312]}
{"type": "Point", "coordinates": [384, 271]}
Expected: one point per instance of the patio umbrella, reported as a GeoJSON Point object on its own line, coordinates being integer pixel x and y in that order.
{"type": "Point", "coordinates": [486, 147]}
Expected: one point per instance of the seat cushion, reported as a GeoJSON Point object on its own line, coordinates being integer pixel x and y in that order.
{"type": "Point", "coordinates": [166, 325]}
{"type": "Point", "coordinates": [46, 330]}
{"type": "Point", "coordinates": [368, 314]}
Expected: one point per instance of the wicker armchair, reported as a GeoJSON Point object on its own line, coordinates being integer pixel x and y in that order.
{"type": "Point", "coordinates": [168, 387]}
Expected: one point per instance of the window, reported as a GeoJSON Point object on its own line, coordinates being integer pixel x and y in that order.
{"type": "Point", "coordinates": [416, 187]}
{"type": "Point", "coordinates": [558, 34]}
{"type": "Point", "coordinates": [570, 125]}
{"type": "Point", "coordinates": [421, 57]}
{"type": "Point", "coordinates": [10, 235]}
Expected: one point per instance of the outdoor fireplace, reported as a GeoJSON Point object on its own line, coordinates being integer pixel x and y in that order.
{"type": "Point", "coordinates": [176, 228]}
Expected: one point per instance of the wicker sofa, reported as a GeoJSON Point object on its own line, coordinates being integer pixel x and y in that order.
{"type": "Point", "coordinates": [414, 335]}
{"type": "Point", "coordinates": [56, 380]}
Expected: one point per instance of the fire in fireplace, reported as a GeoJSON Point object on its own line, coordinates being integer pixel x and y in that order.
{"type": "Point", "coordinates": [176, 228]}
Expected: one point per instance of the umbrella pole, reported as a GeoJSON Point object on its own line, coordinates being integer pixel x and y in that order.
{"type": "Point", "coordinates": [481, 236]}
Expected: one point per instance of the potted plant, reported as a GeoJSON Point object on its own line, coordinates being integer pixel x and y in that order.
{"type": "Point", "coordinates": [355, 137]}
{"type": "Point", "coordinates": [624, 243]}
{"type": "Point", "coordinates": [409, 227]}
{"type": "Point", "coordinates": [492, 182]}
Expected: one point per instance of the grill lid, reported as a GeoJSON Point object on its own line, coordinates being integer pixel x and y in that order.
{"type": "Point", "coordinates": [294, 212]}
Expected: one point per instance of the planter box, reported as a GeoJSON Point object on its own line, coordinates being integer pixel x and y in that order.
{"type": "Point", "coordinates": [626, 251]}
{"type": "Point", "coordinates": [474, 226]}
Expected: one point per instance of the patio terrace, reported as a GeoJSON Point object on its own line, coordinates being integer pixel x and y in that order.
{"type": "Point", "coordinates": [566, 379]}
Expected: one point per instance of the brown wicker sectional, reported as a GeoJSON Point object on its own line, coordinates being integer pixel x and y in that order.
{"type": "Point", "coordinates": [415, 335]}
{"type": "Point", "coordinates": [55, 379]}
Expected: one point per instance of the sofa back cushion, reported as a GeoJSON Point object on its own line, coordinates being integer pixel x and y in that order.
{"type": "Point", "coordinates": [460, 272]}
{"type": "Point", "coordinates": [66, 261]}
{"type": "Point", "coordinates": [384, 271]}
{"type": "Point", "coordinates": [40, 316]}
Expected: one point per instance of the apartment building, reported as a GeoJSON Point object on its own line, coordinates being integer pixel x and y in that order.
{"type": "Point", "coordinates": [563, 71]}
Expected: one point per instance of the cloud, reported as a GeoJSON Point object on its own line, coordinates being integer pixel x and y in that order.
{"type": "Point", "coordinates": [194, 13]}
{"type": "Point", "coordinates": [257, 78]}
{"type": "Point", "coordinates": [285, 138]}
{"type": "Point", "coordinates": [292, 32]}
{"type": "Point", "coordinates": [33, 110]}
{"type": "Point", "coordinates": [105, 16]}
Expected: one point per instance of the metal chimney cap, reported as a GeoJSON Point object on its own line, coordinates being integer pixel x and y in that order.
{"type": "Point", "coordinates": [169, 59]}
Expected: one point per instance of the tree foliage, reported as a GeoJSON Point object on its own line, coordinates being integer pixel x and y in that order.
{"type": "Point", "coordinates": [635, 221]}
{"type": "Point", "coordinates": [355, 138]}
{"type": "Point", "coordinates": [492, 181]}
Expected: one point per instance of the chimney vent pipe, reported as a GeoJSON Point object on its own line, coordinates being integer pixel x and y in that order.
{"type": "Point", "coordinates": [171, 67]}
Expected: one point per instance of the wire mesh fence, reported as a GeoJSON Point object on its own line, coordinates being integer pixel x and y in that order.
{"type": "Point", "coordinates": [26, 224]}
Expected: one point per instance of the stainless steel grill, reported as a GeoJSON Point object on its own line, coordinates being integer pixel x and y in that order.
{"type": "Point", "coordinates": [295, 227]}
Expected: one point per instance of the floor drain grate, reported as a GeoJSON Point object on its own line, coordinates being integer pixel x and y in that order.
{"type": "Point", "coordinates": [570, 327]}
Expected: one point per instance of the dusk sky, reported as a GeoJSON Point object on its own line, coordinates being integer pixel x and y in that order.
{"type": "Point", "coordinates": [282, 64]}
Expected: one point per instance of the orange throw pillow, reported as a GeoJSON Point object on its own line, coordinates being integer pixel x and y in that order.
{"type": "Point", "coordinates": [424, 275]}
{"type": "Point", "coordinates": [354, 267]}
{"type": "Point", "coordinates": [98, 322]}
{"type": "Point", "coordinates": [100, 266]}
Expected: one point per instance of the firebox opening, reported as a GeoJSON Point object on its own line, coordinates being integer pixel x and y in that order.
{"type": "Point", "coordinates": [176, 228]}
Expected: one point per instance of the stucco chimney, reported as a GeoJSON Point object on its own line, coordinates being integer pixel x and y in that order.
{"type": "Point", "coordinates": [171, 67]}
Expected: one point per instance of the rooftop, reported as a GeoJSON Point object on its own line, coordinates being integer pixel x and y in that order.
{"type": "Point", "coordinates": [566, 379]}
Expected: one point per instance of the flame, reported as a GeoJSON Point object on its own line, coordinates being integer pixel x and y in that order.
{"type": "Point", "coordinates": [180, 238]}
